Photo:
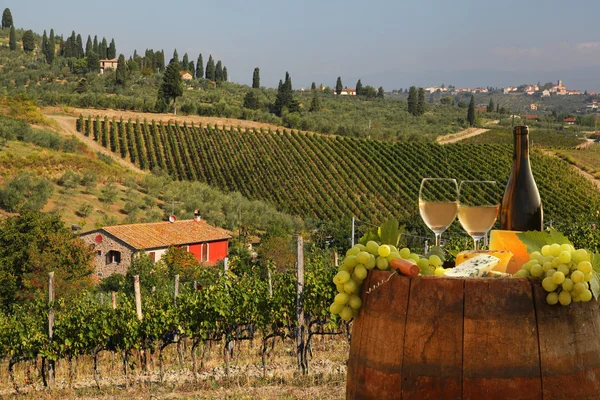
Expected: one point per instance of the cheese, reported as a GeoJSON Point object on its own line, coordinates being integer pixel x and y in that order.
{"type": "Point", "coordinates": [495, 274]}
{"type": "Point", "coordinates": [505, 256]}
{"type": "Point", "coordinates": [508, 240]}
{"type": "Point", "coordinates": [476, 267]}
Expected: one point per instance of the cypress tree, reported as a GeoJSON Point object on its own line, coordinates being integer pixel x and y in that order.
{"type": "Point", "coordinates": [28, 41]}
{"type": "Point", "coordinates": [256, 78]}
{"type": "Point", "coordinates": [421, 102]}
{"type": "Point", "coordinates": [185, 62]}
{"type": "Point", "coordinates": [200, 67]}
{"type": "Point", "coordinates": [89, 47]}
{"type": "Point", "coordinates": [111, 53]}
{"type": "Point", "coordinates": [359, 88]}
{"type": "Point", "coordinates": [225, 74]}
{"type": "Point", "coordinates": [315, 104]}
{"type": "Point", "coordinates": [313, 87]}
{"type": "Point", "coordinates": [121, 73]}
{"type": "Point", "coordinates": [490, 107]}
{"type": "Point", "coordinates": [93, 62]}
{"type": "Point", "coordinates": [172, 85]}
{"type": "Point", "coordinates": [175, 57]}
{"type": "Point", "coordinates": [80, 52]}
{"type": "Point", "coordinates": [95, 46]}
{"type": "Point", "coordinates": [471, 111]}
{"type": "Point", "coordinates": [51, 48]}
{"type": "Point", "coordinates": [191, 69]}
{"type": "Point", "coordinates": [380, 92]}
{"type": "Point", "coordinates": [160, 60]}
{"type": "Point", "coordinates": [44, 42]}
{"type": "Point", "coordinates": [219, 72]}
{"type": "Point", "coordinates": [210, 69]}
{"type": "Point", "coordinates": [338, 86]}
{"type": "Point", "coordinates": [103, 47]}
{"type": "Point", "coordinates": [7, 19]}
{"type": "Point", "coordinates": [412, 100]}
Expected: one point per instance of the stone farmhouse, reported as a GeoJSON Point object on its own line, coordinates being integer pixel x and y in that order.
{"type": "Point", "coordinates": [108, 64]}
{"type": "Point", "coordinates": [116, 245]}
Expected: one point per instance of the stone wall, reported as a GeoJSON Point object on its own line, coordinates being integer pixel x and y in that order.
{"type": "Point", "coordinates": [102, 248]}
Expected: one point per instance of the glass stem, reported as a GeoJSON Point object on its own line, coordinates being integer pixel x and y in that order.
{"type": "Point", "coordinates": [438, 239]}
{"type": "Point", "coordinates": [476, 243]}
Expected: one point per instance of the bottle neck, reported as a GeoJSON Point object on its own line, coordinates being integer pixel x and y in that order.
{"type": "Point", "coordinates": [521, 148]}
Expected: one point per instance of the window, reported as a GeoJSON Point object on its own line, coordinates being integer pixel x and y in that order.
{"type": "Point", "coordinates": [113, 257]}
{"type": "Point", "coordinates": [152, 255]}
{"type": "Point", "coordinates": [204, 252]}
{"type": "Point", "coordinates": [99, 253]}
{"type": "Point", "coordinates": [100, 274]}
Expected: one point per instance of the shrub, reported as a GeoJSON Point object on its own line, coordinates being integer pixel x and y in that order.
{"type": "Point", "coordinates": [25, 192]}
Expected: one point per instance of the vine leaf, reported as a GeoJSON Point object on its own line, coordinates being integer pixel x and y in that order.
{"type": "Point", "coordinates": [535, 240]}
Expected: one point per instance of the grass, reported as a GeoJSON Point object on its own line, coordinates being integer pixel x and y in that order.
{"type": "Point", "coordinates": [587, 159]}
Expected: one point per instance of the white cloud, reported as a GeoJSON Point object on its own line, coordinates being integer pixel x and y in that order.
{"type": "Point", "coordinates": [587, 46]}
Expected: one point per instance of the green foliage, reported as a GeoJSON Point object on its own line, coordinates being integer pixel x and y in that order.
{"type": "Point", "coordinates": [151, 274]}
{"type": "Point", "coordinates": [109, 193]}
{"type": "Point", "coordinates": [111, 52]}
{"type": "Point", "coordinates": [359, 88]}
{"type": "Point", "coordinates": [471, 111]}
{"type": "Point", "coordinates": [338, 86]}
{"type": "Point", "coordinates": [421, 102]}
{"type": "Point", "coordinates": [210, 69]}
{"type": "Point", "coordinates": [412, 101]}
{"type": "Point", "coordinates": [70, 179]}
{"type": "Point", "coordinates": [200, 67]}
{"type": "Point", "coordinates": [93, 62]}
{"type": "Point", "coordinates": [28, 41]}
{"type": "Point", "coordinates": [315, 104]}
{"type": "Point", "coordinates": [121, 73]}
{"type": "Point", "coordinates": [12, 40]}
{"type": "Point", "coordinates": [85, 209]}
{"type": "Point", "coordinates": [219, 72]}
{"type": "Point", "coordinates": [7, 19]}
{"type": "Point", "coordinates": [25, 192]}
{"type": "Point", "coordinates": [172, 85]}
{"type": "Point", "coordinates": [252, 100]}
{"type": "Point", "coordinates": [256, 78]}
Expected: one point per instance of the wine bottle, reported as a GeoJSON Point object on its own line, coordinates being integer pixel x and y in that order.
{"type": "Point", "coordinates": [521, 208]}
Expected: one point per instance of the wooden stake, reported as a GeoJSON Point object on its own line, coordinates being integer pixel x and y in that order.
{"type": "Point", "coordinates": [176, 293]}
{"type": "Point", "coordinates": [51, 371]}
{"type": "Point", "coordinates": [114, 300]}
{"type": "Point", "coordinates": [138, 296]}
{"type": "Point", "coordinates": [301, 331]}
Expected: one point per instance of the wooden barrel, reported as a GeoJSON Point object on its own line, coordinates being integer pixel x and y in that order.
{"type": "Point", "coordinates": [448, 338]}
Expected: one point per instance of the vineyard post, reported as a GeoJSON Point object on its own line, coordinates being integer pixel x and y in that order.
{"type": "Point", "coordinates": [300, 333]}
{"type": "Point", "coordinates": [51, 324]}
{"type": "Point", "coordinates": [353, 219]}
{"type": "Point", "coordinates": [270, 282]}
{"type": "Point", "coordinates": [176, 291]}
{"type": "Point", "coordinates": [335, 258]}
{"type": "Point", "coordinates": [113, 295]}
{"type": "Point", "coordinates": [225, 264]}
{"type": "Point", "coordinates": [138, 296]}
{"type": "Point", "coordinates": [195, 285]}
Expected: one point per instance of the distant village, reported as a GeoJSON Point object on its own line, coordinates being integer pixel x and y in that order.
{"type": "Point", "coordinates": [546, 90]}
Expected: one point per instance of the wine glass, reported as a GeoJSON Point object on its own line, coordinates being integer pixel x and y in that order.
{"type": "Point", "coordinates": [438, 204]}
{"type": "Point", "coordinates": [478, 205]}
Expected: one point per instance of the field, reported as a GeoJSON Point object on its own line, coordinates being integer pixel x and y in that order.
{"type": "Point", "coordinates": [537, 137]}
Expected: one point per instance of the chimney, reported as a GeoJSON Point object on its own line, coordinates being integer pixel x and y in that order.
{"type": "Point", "coordinates": [172, 218]}
{"type": "Point", "coordinates": [75, 228]}
{"type": "Point", "coordinates": [196, 215]}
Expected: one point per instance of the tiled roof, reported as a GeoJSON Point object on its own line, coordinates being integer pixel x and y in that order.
{"type": "Point", "coordinates": [165, 234]}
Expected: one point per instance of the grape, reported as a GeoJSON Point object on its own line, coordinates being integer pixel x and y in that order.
{"type": "Point", "coordinates": [423, 263]}
{"type": "Point", "coordinates": [382, 263]}
{"type": "Point", "coordinates": [350, 287]}
{"type": "Point", "coordinates": [393, 255]}
{"type": "Point", "coordinates": [414, 257]}
{"type": "Point", "coordinates": [546, 250]}
{"type": "Point", "coordinates": [549, 285]}
{"type": "Point", "coordinates": [350, 261]}
{"type": "Point", "coordinates": [530, 264]}
{"type": "Point", "coordinates": [404, 253]}
{"type": "Point", "coordinates": [555, 249]}
{"type": "Point", "coordinates": [353, 251]}
{"type": "Point", "coordinates": [439, 271]}
{"type": "Point", "coordinates": [355, 302]}
{"type": "Point", "coordinates": [341, 277]}
{"type": "Point", "coordinates": [581, 255]}
{"type": "Point", "coordinates": [556, 262]}
{"type": "Point", "coordinates": [550, 272]}
{"type": "Point", "coordinates": [585, 267]}
{"type": "Point", "coordinates": [346, 314]}
{"type": "Point", "coordinates": [362, 257]}
{"type": "Point", "coordinates": [537, 271]}
{"type": "Point", "coordinates": [522, 273]}
{"type": "Point", "coordinates": [564, 257]}
{"type": "Point", "coordinates": [589, 277]}
{"type": "Point", "coordinates": [564, 269]}
{"type": "Point", "coordinates": [580, 287]}
{"type": "Point", "coordinates": [393, 249]}
{"type": "Point", "coordinates": [558, 277]}
{"type": "Point", "coordinates": [372, 247]}
{"type": "Point", "coordinates": [547, 266]}
{"type": "Point", "coordinates": [360, 271]}
{"type": "Point", "coordinates": [567, 284]}
{"type": "Point", "coordinates": [341, 298]}
{"type": "Point", "coordinates": [586, 295]}
{"type": "Point", "coordinates": [564, 298]}
{"type": "Point", "coordinates": [577, 276]}
{"type": "Point", "coordinates": [336, 308]}
{"type": "Point", "coordinates": [566, 247]}
{"type": "Point", "coordinates": [340, 288]}
{"type": "Point", "coordinates": [535, 255]}
{"type": "Point", "coordinates": [435, 260]}
{"type": "Point", "coordinates": [384, 250]}
{"type": "Point", "coordinates": [552, 298]}
{"type": "Point", "coordinates": [372, 262]}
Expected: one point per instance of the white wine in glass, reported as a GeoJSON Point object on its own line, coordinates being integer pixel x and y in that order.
{"type": "Point", "coordinates": [478, 208]}
{"type": "Point", "coordinates": [438, 204]}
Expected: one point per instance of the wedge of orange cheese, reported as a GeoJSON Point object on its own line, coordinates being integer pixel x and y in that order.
{"type": "Point", "coordinates": [505, 256]}
{"type": "Point", "coordinates": [508, 240]}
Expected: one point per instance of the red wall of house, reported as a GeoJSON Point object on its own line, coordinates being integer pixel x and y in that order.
{"type": "Point", "coordinates": [195, 250]}
{"type": "Point", "coordinates": [217, 250]}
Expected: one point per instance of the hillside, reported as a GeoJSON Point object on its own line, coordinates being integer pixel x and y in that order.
{"type": "Point", "coordinates": [333, 177]}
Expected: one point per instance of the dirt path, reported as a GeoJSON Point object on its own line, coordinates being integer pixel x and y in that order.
{"type": "Point", "coordinates": [586, 175]}
{"type": "Point", "coordinates": [456, 137]}
{"type": "Point", "coordinates": [67, 127]}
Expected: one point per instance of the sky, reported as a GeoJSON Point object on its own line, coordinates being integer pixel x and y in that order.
{"type": "Point", "coordinates": [394, 44]}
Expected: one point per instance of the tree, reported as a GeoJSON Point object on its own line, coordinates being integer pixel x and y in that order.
{"type": "Point", "coordinates": [380, 92]}
{"type": "Point", "coordinates": [285, 97]}
{"type": "Point", "coordinates": [80, 52]}
{"type": "Point", "coordinates": [7, 19]}
{"type": "Point", "coordinates": [121, 73]}
{"type": "Point", "coordinates": [359, 88]}
{"type": "Point", "coordinates": [199, 67]}
{"type": "Point", "coordinates": [175, 57]}
{"type": "Point", "coordinates": [95, 46]}
{"type": "Point", "coordinates": [225, 74]}
{"type": "Point", "coordinates": [185, 62]}
{"type": "Point", "coordinates": [25, 192]}
{"type": "Point", "coordinates": [315, 104]}
{"type": "Point", "coordinates": [251, 100]}
{"type": "Point", "coordinates": [490, 107]}
{"type": "Point", "coordinates": [89, 47]}
{"type": "Point", "coordinates": [111, 52]}
{"type": "Point", "coordinates": [313, 87]}
{"type": "Point", "coordinates": [102, 49]}
{"type": "Point", "coordinates": [210, 69]}
{"type": "Point", "coordinates": [421, 102]}
{"type": "Point", "coordinates": [412, 101]}
{"type": "Point", "coordinates": [191, 69]}
{"type": "Point", "coordinates": [44, 42]}
{"type": "Point", "coordinates": [256, 78]}
{"type": "Point", "coordinates": [471, 111]}
{"type": "Point", "coordinates": [93, 62]}
{"type": "Point", "coordinates": [12, 41]}
{"type": "Point", "coordinates": [172, 85]}
{"type": "Point", "coordinates": [338, 86]}
{"type": "Point", "coordinates": [28, 41]}
{"type": "Point", "coordinates": [219, 72]}
{"type": "Point", "coordinates": [51, 48]}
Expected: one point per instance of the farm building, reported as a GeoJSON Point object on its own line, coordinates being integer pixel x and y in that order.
{"type": "Point", "coordinates": [116, 245]}
{"type": "Point", "coordinates": [186, 76]}
{"type": "Point", "coordinates": [108, 64]}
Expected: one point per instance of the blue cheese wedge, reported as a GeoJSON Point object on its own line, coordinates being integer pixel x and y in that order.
{"type": "Point", "coordinates": [475, 267]}
{"type": "Point", "coordinates": [495, 274]}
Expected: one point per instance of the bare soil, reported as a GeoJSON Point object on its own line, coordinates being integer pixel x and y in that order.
{"type": "Point", "coordinates": [456, 137]}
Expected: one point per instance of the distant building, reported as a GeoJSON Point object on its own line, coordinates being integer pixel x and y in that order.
{"type": "Point", "coordinates": [559, 89]}
{"type": "Point", "coordinates": [533, 107]}
{"type": "Point", "coordinates": [570, 121]}
{"type": "Point", "coordinates": [186, 76]}
{"type": "Point", "coordinates": [108, 64]}
{"type": "Point", "coordinates": [479, 90]}
{"type": "Point", "coordinates": [531, 89]}
{"type": "Point", "coordinates": [116, 245]}
{"type": "Point", "coordinates": [434, 89]}
{"type": "Point", "coordinates": [573, 92]}
{"type": "Point", "coordinates": [348, 92]}
{"type": "Point", "coordinates": [509, 89]}
{"type": "Point", "coordinates": [546, 93]}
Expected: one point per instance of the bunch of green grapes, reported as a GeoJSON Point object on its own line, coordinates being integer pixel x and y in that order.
{"type": "Point", "coordinates": [565, 273]}
{"type": "Point", "coordinates": [359, 260]}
